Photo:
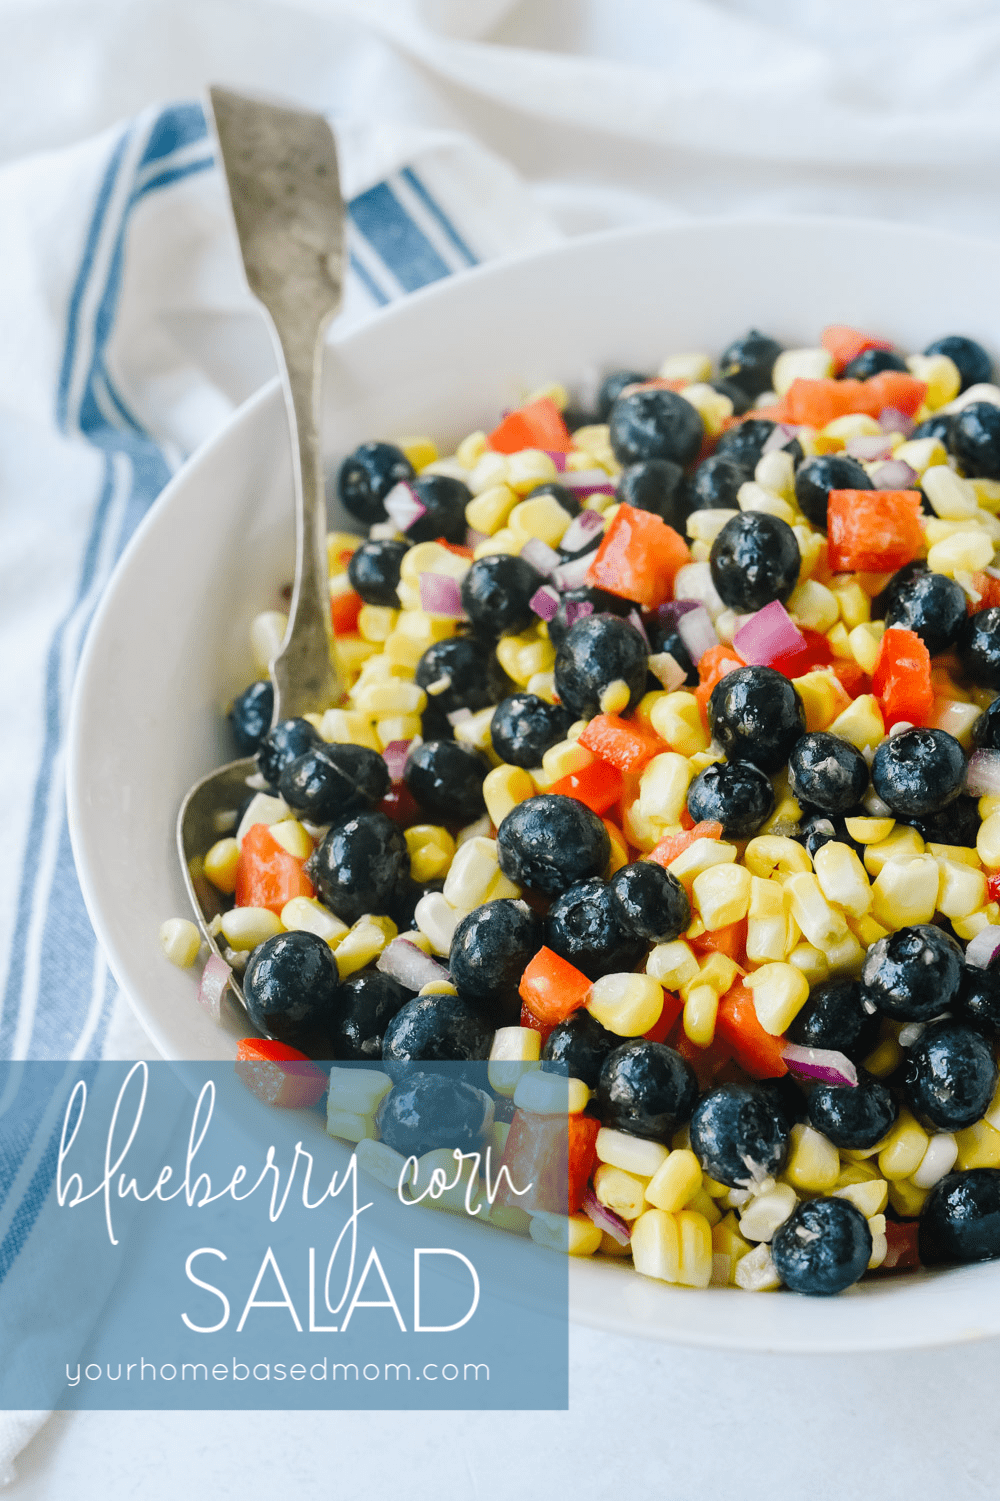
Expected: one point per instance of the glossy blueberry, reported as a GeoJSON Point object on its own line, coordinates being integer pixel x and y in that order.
{"type": "Point", "coordinates": [359, 865]}
{"type": "Point", "coordinates": [853, 1119]}
{"type": "Point", "coordinates": [816, 830]}
{"type": "Point", "coordinates": [974, 365]}
{"type": "Point", "coordinates": [612, 387]}
{"type": "Point", "coordinates": [950, 1076]}
{"type": "Point", "coordinates": [561, 494]}
{"type": "Point", "coordinates": [756, 715]}
{"type": "Point", "coordinates": [366, 477]}
{"type": "Point", "coordinates": [490, 950]}
{"type": "Point", "coordinates": [715, 484]}
{"type": "Point", "coordinates": [870, 362]}
{"type": "Point", "coordinates": [655, 424]}
{"type": "Point", "coordinates": [656, 485]}
{"type": "Point", "coordinates": [329, 781]}
{"type": "Point", "coordinates": [290, 986]}
{"type": "Point", "coordinates": [653, 902]}
{"type": "Point", "coordinates": [586, 926]}
{"type": "Point", "coordinates": [646, 1089]}
{"type": "Point", "coordinates": [436, 1029]}
{"type": "Point", "coordinates": [785, 1096]}
{"type": "Point", "coordinates": [978, 998]}
{"type": "Point", "coordinates": [939, 426]}
{"type": "Point", "coordinates": [755, 559]}
{"type": "Point", "coordinates": [975, 439]}
{"type": "Point", "coordinates": [834, 1018]}
{"type": "Point", "coordinates": [471, 669]}
{"type": "Point", "coordinates": [960, 1220]}
{"type": "Point", "coordinates": [601, 602]}
{"type": "Point", "coordinates": [737, 794]}
{"type": "Point", "coordinates": [548, 843]}
{"type": "Point", "coordinates": [827, 772]}
{"type": "Point", "coordinates": [986, 730]}
{"type": "Point", "coordinates": [445, 499]}
{"type": "Point", "coordinates": [918, 772]}
{"type": "Point", "coordinates": [363, 1007]}
{"type": "Point", "coordinates": [931, 605]}
{"type": "Point", "coordinates": [958, 823]}
{"type": "Point", "coordinates": [250, 716]}
{"type": "Point", "coordinates": [446, 778]}
{"type": "Point", "coordinates": [374, 572]}
{"type": "Point", "coordinates": [912, 974]}
{"type": "Point", "coordinates": [430, 1110]}
{"type": "Point", "coordinates": [738, 1136]}
{"type": "Point", "coordinates": [594, 653]}
{"type": "Point", "coordinates": [749, 361]}
{"type": "Point", "coordinates": [978, 647]}
{"type": "Point", "coordinates": [283, 744]}
{"type": "Point", "coordinates": [744, 443]}
{"type": "Point", "coordinates": [581, 1044]}
{"type": "Point", "coordinates": [525, 726]}
{"type": "Point", "coordinates": [815, 478]}
{"type": "Point", "coordinates": [665, 637]}
{"type": "Point", "coordinates": [737, 395]}
{"type": "Point", "coordinates": [822, 1248]}
{"type": "Point", "coordinates": [496, 592]}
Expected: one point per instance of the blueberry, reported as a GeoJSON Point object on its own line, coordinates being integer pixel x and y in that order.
{"type": "Point", "coordinates": [548, 843]}
{"type": "Point", "coordinates": [818, 476]}
{"type": "Point", "coordinates": [912, 974]}
{"type": "Point", "coordinates": [715, 484]}
{"type": "Point", "coordinates": [871, 362]}
{"type": "Point", "coordinates": [939, 426]}
{"type": "Point", "coordinates": [436, 1029]}
{"type": "Point", "coordinates": [664, 636]}
{"type": "Point", "coordinates": [918, 772]}
{"type": "Point", "coordinates": [744, 443]}
{"type": "Point", "coordinates": [581, 1044]}
{"type": "Point", "coordinates": [329, 781]}
{"type": "Point", "coordinates": [250, 716]}
{"type": "Point", "coordinates": [756, 715]}
{"type": "Point", "coordinates": [785, 1096]}
{"type": "Point", "coordinates": [960, 1220]}
{"type": "Point", "coordinates": [853, 1119]}
{"type": "Point", "coordinates": [290, 985]}
{"type": "Point", "coordinates": [586, 926]}
{"type": "Point", "coordinates": [367, 476]}
{"type": "Point", "coordinates": [823, 1247]}
{"type": "Point", "coordinates": [561, 494]}
{"type": "Point", "coordinates": [834, 1018]}
{"type": "Point", "coordinates": [749, 361]}
{"type": "Point", "coordinates": [974, 365]}
{"type": "Point", "coordinates": [654, 903]}
{"type": "Point", "coordinates": [737, 395]}
{"type": "Point", "coordinates": [359, 865]}
{"type": "Point", "coordinates": [755, 559]}
{"type": "Point", "coordinates": [283, 744]}
{"type": "Point", "coordinates": [951, 1075]}
{"type": "Point", "coordinates": [496, 592]}
{"type": "Point", "coordinates": [601, 602]}
{"type": "Point", "coordinates": [490, 950]}
{"type": "Point", "coordinates": [471, 670]}
{"type": "Point", "coordinates": [978, 647]}
{"type": "Point", "coordinates": [817, 829]}
{"type": "Point", "coordinates": [612, 387]}
{"type": "Point", "coordinates": [656, 485]}
{"type": "Point", "coordinates": [986, 730]}
{"type": "Point", "coordinates": [426, 1111]}
{"type": "Point", "coordinates": [827, 772]}
{"type": "Point", "coordinates": [646, 1089]}
{"type": "Point", "coordinates": [978, 997]}
{"type": "Point", "coordinates": [735, 793]}
{"type": "Point", "coordinates": [363, 1006]}
{"type": "Point", "coordinates": [958, 823]}
{"type": "Point", "coordinates": [445, 499]}
{"type": "Point", "coordinates": [446, 779]}
{"type": "Point", "coordinates": [374, 572]}
{"type": "Point", "coordinates": [932, 606]}
{"type": "Point", "coordinates": [738, 1136]}
{"type": "Point", "coordinates": [655, 424]}
{"type": "Point", "coordinates": [975, 439]}
{"type": "Point", "coordinates": [524, 727]}
{"type": "Point", "coordinates": [595, 652]}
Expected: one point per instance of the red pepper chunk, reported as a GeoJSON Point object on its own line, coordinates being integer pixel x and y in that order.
{"type": "Point", "coordinates": [539, 424]}
{"type": "Point", "coordinates": [344, 611]}
{"type": "Point", "coordinates": [873, 531]}
{"type": "Point", "coordinates": [552, 988]}
{"type": "Point", "coordinates": [753, 1048]}
{"type": "Point", "coordinates": [552, 1156]}
{"type": "Point", "coordinates": [902, 1240]}
{"type": "Point", "coordinates": [672, 845]}
{"type": "Point", "coordinates": [267, 875]}
{"type": "Point", "coordinates": [625, 745]}
{"type": "Point", "coordinates": [598, 786]}
{"type": "Point", "coordinates": [716, 663]}
{"type": "Point", "coordinates": [278, 1074]}
{"type": "Point", "coordinates": [639, 558]}
{"type": "Point", "coordinates": [844, 344]}
{"type": "Point", "coordinates": [902, 678]}
{"type": "Point", "coordinates": [672, 1008]}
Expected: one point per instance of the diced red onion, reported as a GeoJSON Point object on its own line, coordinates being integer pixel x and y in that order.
{"type": "Point", "coordinates": [577, 609]}
{"type": "Point", "coordinates": [440, 595]}
{"type": "Point", "coordinates": [581, 530]}
{"type": "Point", "coordinates": [473, 538]}
{"type": "Point", "coordinates": [669, 614]}
{"type": "Point", "coordinates": [605, 1218]}
{"type": "Point", "coordinates": [409, 965]}
{"type": "Point", "coordinates": [404, 506]}
{"type": "Point", "coordinates": [634, 618]}
{"type": "Point", "coordinates": [822, 1064]}
{"type": "Point", "coordinates": [892, 420]}
{"type": "Point", "coordinates": [541, 556]}
{"type": "Point", "coordinates": [782, 434]}
{"type": "Point", "coordinates": [558, 458]}
{"type": "Point", "coordinates": [869, 446]}
{"type": "Point", "coordinates": [668, 670]}
{"type": "Point", "coordinates": [394, 756]}
{"type": "Point", "coordinates": [588, 479]}
{"type": "Point", "coordinates": [458, 716]}
{"type": "Point", "coordinates": [983, 776]}
{"type": "Point", "coordinates": [769, 634]}
{"type": "Point", "coordinates": [696, 630]}
{"type": "Point", "coordinates": [214, 979]}
{"type": "Point", "coordinates": [572, 574]}
{"type": "Point", "coordinates": [545, 601]}
{"type": "Point", "coordinates": [983, 947]}
{"type": "Point", "coordinates": [894, 474]}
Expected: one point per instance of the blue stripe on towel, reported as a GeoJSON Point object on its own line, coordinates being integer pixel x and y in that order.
{"type": "Point", "coordinates": [434, 208]}
{"type": "Point", "coordinates": [391, 232]}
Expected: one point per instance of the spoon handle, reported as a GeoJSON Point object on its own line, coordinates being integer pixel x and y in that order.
{"type": "Point", "coordinates": [280, 166]}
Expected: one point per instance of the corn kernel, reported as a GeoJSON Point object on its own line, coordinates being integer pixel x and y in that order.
{"type": "Point", "coordinates": [359, 947]}
{"type": "Point", "coordinates": [966, 551]}
{"type": "Point", "coordinates": [261, 809]}
{"type": "Point", "coordinates": [902, 1149]}
{"type": "Point", "coordinates": [437, 920]}
{"type": "Point", "coordinates": [349, 1126]}
{"type": "Point", "coordinates": [774, 855]}
{"type": "Point", "coordinates": [344, 727]}
{"type": "Point", "coordinates": [350, 652]}
{"type": "Point", "coordinates": [475, 874]}
{"type": "Point", "coordinates": [503, 788]}
{"type": "Point", "coordinates": [712, 406]}
{"type": "Point", "coordinates": [988, 842]}
{"type": "Point", "coordinates": [490, 510]}
{"type": "Point", "coordinates": [756, 1272]}
{"type": "Point", "coordinates": [866, 930]}
{"type": "Point", "coordinates": [961, 891]}
{"type": "Point", "coordinates": [565, 757]}
{"type": "Point", "coordinates": [820, 924]}
{"type": "Point", "coordinates": [634, 1154]}
{"type": "Point", "coordinates": [529, 467]}
{"type": "Point", "coordinates": [542, 516]}
{"type": "Point", "coordinates": [673, 964]}
{"type": "Point", "coordinates": [380, 1162]}
{"type": "Point", "coordinates": [906, 1199]}
{"type": "Point", "coordinates": [722, 895]}
{"type": "Point", "coordinates": [574, 1234]}
{"type": "Point", "coordinates": [695, 1246]}
{"type": "Point", "coordinates": [905, 891]}
{"type": "Point", "coordinates": [514, 1052]}
{"type": "Point", "coordinates": [550, 1094]}
{"type": "Point", "coordinates": [853, 604]}
{"type": "Point", "coordinates": [359, 1091]}
{"type": "Point", "coordinates": [701, 1008]}
{"type": "Point", "coordinates": [442, 1183]}
{"type": "Point", "coordinates": [845, 957]}
{"type": "Point", "coordinates": [813, 1163]}
{"type": "Point", "coordinates": [267, 631]}
{"type": "Point", "coordinates": [676, 718]}
{"type": "Point", "coordinates": [862, 723]}
{"type": "Point", "coordinates": [870, 1196]}
{"type": "Point", "coordinates": [727, 1241]}
{"type": "Point", "coordinates": [884, 1059]}
{"type": "Point", "coordinates": [869, 830]}
{"type": "Point", "coordinates": [813, 605]}
{"type": "Point", "coordinates": [795, 364]}
{"type": "Point", "coordinates": [952, 498]}
{"type": "Point", "coordinates": [717, 971]}
{"type": "Point", "coordinates": [780, 991]}
{"type": "Point", "coordinates": [475, 730]}
{"type": "Point", "coordinates": [753, 497]}
{"type": "Point", "coordinates": [699, 856]}
{"type": "Point", "coordinates": [656, 1245]}
{"type": "Point", "coordinates": [626, 1004]}
{"type": "Point", "coordinates": [221, 861]}
{"type": "Point", "coordinates": [245, 927]}
{"type": "Point", "coordinates": [978, 1146]}
{"type": "Point", "coordinates": [766, 1212]}
{"type": "Point", "coordinates": [903, 843]}
{"type": "Point", "coordinates": [620, 1191]}
{"type": "Point", "coordinates": [842, 878]}
{"type": "Point", "coordinates": [675, 1182]}
{"type": "Point", "coordinates": [956, 718]}
{"type": "Point", "coordinates": [810, 962]}
{"type": "Point", "coordinates": [180, 941]}
{"type": "Point", "coordinates": [304, 914]}
{"type": "Point", "coordinates": [939, 1159]}
{"type": "Point", "coordinates": [292, 837]}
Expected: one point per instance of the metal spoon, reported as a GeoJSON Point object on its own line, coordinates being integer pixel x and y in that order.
{"type": "Point", "coordinates": [280, 166]}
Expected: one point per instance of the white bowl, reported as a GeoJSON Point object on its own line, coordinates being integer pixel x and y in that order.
{"type": "Point", "coordinates": [168, 647]}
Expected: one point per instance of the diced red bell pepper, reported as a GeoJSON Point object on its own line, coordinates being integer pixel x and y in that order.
{"type": "Point", "coordinates": [278, 1074]}
{"type": "Point", "coordinates": [530, 1020]}
{"type": "Point", "coordinates": [817, 402]}
{"type": "Point", "coordinates": [852, 678]}
{"type": "Point", "coordinates": [902, 678]}
{"type": "Point", "coordinates": [844, 344]}
{"type": "Point", "coordinates": [988, 590]}
{"type": "Point", "coordinates": [993, 886]}
{"type": "Point", "coordinates": [672, 1008]}
{"type": "Point", "coordinates": [458, 548]}
{"type": "Point", "coordinates": [639, 558]}
{"type": "Point", "coordinates": [730, 940]}
{"type": "Point", "coordinates": [267, 875]}
{"type": "Point", "coordinates": [673, 845]}
{"type": "Point", "coordinates": [626, 745]}
{"type": "Point", "coordinates": [715, 664]}
{"type": "Point", "coordinates": [400, 805]}
{"type": "Point", "coordinates": [815, 653]}
{"type": "Point", "coordinates": [902, 1238]}
{"type": "Point", "coordinates": [598, 785]}
{"type": "Point", "coordinates": [753, 1048]}
{"type": "Point", "coordinates": [896, 389]}
{"type": "Point", "coordinates": [707, 1063]}
{"type": "Point", "coordinates": [539, 424]}
{"type": "Point", "coordinates": [555, 1155]}
{"type": "Point", "coordinates": [873, 531]}
{"type": "Point", "coordinates": [552, 988]}
{"type": "Point", "coordinates": [344, 611]}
